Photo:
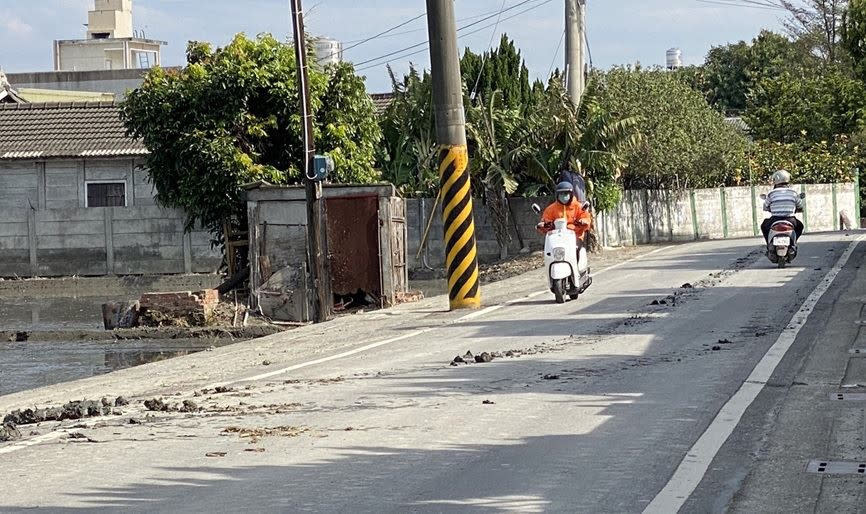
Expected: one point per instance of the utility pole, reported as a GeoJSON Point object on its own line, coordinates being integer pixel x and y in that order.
{"type": "Point", "coordinates": [317, 241]}
{"type": "Point", "coordinates": [574, 38]}
{"type": "Point", "coordinates": [464, 290]}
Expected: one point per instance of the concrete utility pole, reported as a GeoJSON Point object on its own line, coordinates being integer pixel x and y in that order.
{"type": "Point", "coordinates": [574, 38]}
{"type": "Point", "coordinates": [456, 194]}
{"type": "Point", "coordinates": [317, 239]}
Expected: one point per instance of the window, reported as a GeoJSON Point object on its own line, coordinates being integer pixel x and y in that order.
{"type": "Point", "coordinates": [106, 194]}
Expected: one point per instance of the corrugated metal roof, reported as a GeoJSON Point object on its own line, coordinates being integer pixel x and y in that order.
{"type": "Point", "coordinates": [68, 129]}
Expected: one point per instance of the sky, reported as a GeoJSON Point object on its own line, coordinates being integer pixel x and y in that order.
{"type": "Point", "coordinates": [619, 31]}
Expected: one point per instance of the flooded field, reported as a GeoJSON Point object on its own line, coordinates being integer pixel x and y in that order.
{"type": "Point", "coordinates": [32, 364]}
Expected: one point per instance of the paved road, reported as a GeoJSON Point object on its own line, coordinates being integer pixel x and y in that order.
{"type": "Point", "coordinates": [595, 412]}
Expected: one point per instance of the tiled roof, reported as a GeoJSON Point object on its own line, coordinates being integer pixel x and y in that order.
{"type": "Point", "coordinates": [381, 101]}
{"type": "Point", "coordinates": [69, 129]}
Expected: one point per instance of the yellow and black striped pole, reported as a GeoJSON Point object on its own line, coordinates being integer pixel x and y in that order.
{"type": "Point", "coordinates": [461, 257]}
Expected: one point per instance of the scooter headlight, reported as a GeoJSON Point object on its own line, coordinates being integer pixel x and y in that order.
{"type": "Point", "coordinates": [559, 254]}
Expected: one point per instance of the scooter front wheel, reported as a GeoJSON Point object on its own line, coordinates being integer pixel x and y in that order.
{"type": "Point", "coordinates": [559, 290]}
{"type": "Point", "coordinates": [782, 262]}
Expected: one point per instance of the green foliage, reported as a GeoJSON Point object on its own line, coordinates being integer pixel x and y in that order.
{"type": "Point", "coordinates": [501, 69]}
{"type": "Point", "coordinates": [493, 130]}
{"type": "Point", "coordinates": [231, 117]}
{"type": "Point", "coordinates": [789, 109]}
{"type": "Point", "coordinates": [731, 71]}
{"type": "Point", "coordinates": [819, 162]}
{"type": "Point", "coordinates": [854, 36]}
{"type": "Point", "coordinates": [408, 153]}
{"type": "Point", "coordinates": [685, 142]}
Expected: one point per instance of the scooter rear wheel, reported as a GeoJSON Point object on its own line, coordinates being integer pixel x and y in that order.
{"type": "Point", "coordinates": [782, 262]}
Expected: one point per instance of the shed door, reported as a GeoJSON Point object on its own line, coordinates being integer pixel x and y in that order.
{"type": "Point", "coordinates": [398, 245]}
{"type": "Point", "coordinates": [392, 241]}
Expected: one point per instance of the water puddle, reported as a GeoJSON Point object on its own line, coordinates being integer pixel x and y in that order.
{"type": "Point", "coordinates": [29, 365]}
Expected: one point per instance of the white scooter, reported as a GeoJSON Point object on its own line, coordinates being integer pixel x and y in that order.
{"type": "Point", "coordinates": [782, 241]}
{"type": "Point", "coordinates": [566, 260]}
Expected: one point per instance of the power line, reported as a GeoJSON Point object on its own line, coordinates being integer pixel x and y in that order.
{"type": "Point", "coordinates": [744, 3]}
{"type": "Point", "coordinates": [412, 31]}
{"type": "Point", "coordinates": [425, 43]}
{"type": "Point", "coordinates": [556, 53]}
{"type": "Point", "coordinates": [380, 34]}
{"type": "Point", "coordinates": [484, 56]}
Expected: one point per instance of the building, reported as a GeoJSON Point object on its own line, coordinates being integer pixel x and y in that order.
{"type": "Point", "coordinates": [75, 199]}
{"type": "Point", "coordinates": [7, 94]}
{"type": "Point", "coordinates": [111, 42]}
{"type": "Point", "coordinates": [116, 82]}
{"type": "Point", "coordinates": [674, 59]}
{"type": "Point", "coordinates": [327, 50]}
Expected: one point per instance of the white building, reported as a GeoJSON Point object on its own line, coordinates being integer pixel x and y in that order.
{"type": "Point", "coordinates": [328, 51]}
{"type": "Point", "coordinates": [111, 42]}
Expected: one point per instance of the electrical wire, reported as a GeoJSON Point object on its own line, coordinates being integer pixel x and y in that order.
{"type": "Point", "coordinates": [412, 31]}
{"type": "Point", "coordinates": [425, 42]}
{"type": "Point", "coordinates": [484, 56]}
{"type": "Point", "coordinates": [361, 66]}
{"type": "Point", "coordinates": [556, 53]}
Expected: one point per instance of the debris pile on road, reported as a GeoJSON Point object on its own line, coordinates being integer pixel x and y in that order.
{"type": "Point", "coordinates": [160, 405]}
{"type": "Point", "coordinates": [469, 358]}
{"type": "Point", "coordinates": [72, 410]}
{"type": "Point", "coordinates": [511, 267]}
{"type": "Point", "coordinates": [9, 432]}
{"type": "Point", "coordinates": [184, 309]}
{"type": "Point", "coordinates": [255, 434]}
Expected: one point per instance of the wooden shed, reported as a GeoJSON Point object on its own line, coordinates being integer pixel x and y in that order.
{"type": "Point", "coordinates": [366, 245]}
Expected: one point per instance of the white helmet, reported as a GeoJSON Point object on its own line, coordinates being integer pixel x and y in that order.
{"type": "Point", "coordinates": [781, 177]}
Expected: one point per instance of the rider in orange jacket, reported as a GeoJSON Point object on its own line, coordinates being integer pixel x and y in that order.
{"type": "Point", "coordinates": [568, 207]}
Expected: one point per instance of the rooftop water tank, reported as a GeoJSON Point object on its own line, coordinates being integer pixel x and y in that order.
{"type": "Point", "coordinates": [674, 59]}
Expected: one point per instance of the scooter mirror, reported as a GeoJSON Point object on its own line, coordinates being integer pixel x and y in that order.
{"type": "Point", "coordinates": [763, 196]}
{"type": "Point", "coordinates": [802, 195]}
{"type": "Point", "coordinates": [536, 208]}
{"type": "Point", "coordinates": [586, 206]}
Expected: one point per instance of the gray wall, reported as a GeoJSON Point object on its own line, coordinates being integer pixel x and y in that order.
{"type": "Point", "coordinates": [47, 231]}
{"type": "Point", "coordinates": [642, 217]}
{"type": "Point", "coordinates": [103, 81]}
{"type": "Point", "coordinates": [101, 241]}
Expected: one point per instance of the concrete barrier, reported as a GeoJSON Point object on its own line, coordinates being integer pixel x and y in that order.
{"type": "Point", "coordinates": [641, 217]}
{"type": "Point", "coordinates": [101, 241]}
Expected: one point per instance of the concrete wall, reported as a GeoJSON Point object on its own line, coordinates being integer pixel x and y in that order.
{"type": "Point", "coordinates": [642, 217]}
{"type": "Point", "coordinates": [101, 241]}
{"type": "Point", "coordinates": [61, 183]}
{"type": "Point", "coordinates": [46, 230]}
{"type": "Point", "coordinates": [106, 81]}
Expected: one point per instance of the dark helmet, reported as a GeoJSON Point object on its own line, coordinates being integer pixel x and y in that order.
{"type": "Point", "coordinates": [564, 192]}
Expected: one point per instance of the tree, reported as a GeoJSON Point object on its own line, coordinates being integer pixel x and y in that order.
{"type": "Point", "coordinates": [407, 155]}
{"type": "Point", "coordinates": [789, 109]}
{"type": "Point", "coordinates": [732, 71]}
{"type": "Point", "coordinates": [231, 117]}
{"type": "Point", "coordinates": [685, 142]}
{"type": "Point", "coordinates": [501, 69]}
{"type": "Point", "coordinates": [819, 24]}
{"type": "Point", "coordinates": [854, 36]}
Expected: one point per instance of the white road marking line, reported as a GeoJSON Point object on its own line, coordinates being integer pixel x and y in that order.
{"type": "Point", "coordinates": [694, 465]}
{"type": "Point", "coordinates": [31, 442]}
{"type": "Point", "coordinates": [55, 434]}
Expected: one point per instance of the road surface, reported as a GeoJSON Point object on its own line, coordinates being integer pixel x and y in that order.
{"type": "Point", "coordinates": [642, 394]}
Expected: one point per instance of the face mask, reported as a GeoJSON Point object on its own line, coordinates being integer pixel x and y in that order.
{"type": "Point", "coordinates": [564, 198]}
